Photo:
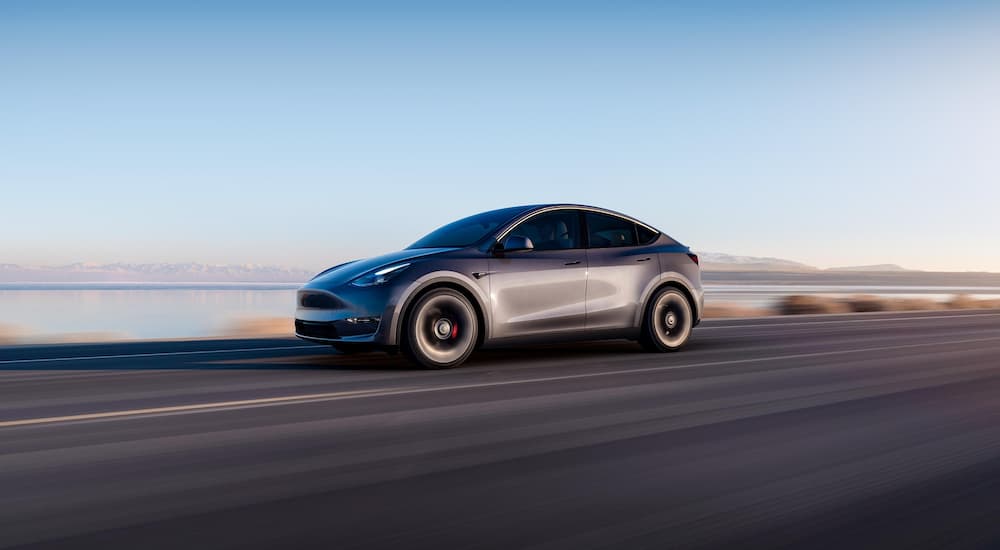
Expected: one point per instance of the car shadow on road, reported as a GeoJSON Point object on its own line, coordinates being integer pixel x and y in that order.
{"type": "Point", "coordinates": [538, 355]}
{"type": "Point", "coordinates": [327, 359]}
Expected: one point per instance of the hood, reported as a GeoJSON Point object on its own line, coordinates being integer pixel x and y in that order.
{"type": "Point", "coordinates": [345, 273]}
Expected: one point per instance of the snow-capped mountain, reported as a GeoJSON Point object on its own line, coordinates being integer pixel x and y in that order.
{"type": "Point", "coordinates": [153, 273]}
{"type": "Point", "coordinates": [878, 267]}
{"type": "Point", "coordinates": [716, 261]}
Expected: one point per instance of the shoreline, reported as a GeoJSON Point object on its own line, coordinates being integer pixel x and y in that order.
{"type": "Point", "coordinates": [282, 326]}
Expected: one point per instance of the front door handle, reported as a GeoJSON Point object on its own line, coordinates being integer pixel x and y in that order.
{"type": "Point", "coordinates": [573, 263]}
{"type": "Point", "coordinates": [643, 259]}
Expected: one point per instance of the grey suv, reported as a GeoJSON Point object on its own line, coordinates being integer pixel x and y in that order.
{"type": "Point", "coordinates": [538, 273]}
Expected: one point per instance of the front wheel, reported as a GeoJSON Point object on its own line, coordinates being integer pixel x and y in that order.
{"type": "Point", "coordinates": [668, 322]}
{"type": "Point", "coordinates": [441, 330]}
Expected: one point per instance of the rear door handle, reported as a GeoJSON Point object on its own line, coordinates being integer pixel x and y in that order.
{"type": "Point", "coordinates": [643, 259]}
{"type": "Point", "coordinates": [573, 263]}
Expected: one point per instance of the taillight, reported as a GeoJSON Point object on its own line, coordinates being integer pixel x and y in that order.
{"type": "Point", "coordinates": [694, 258]}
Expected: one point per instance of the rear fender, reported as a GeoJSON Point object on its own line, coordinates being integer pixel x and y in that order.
{"type": "Point", "coordinates": [665, 278]}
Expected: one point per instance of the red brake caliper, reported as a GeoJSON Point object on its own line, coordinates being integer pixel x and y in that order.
{"type": "Point", "coordinates": [454, 331]}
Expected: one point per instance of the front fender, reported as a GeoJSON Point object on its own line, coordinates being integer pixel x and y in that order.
{"type": "Point", "coordinates": [446, 278]}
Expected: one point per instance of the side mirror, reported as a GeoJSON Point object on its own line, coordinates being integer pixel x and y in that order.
{"type": "Point", "coordinates": [515, 243]}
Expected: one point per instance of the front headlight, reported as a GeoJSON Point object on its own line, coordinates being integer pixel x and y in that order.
{"type": "Point", "coordinates": [379, 277]}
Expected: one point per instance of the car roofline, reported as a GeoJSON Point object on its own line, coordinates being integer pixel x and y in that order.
{"type": "Point", "coordinates": [533, 210]}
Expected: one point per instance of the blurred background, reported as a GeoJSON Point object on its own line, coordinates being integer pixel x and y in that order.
{"type": "Point", "coordinates": [176, 169]}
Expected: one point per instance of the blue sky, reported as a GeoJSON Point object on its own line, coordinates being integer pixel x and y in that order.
{"type": "Point", "coordinates": [303, 133]}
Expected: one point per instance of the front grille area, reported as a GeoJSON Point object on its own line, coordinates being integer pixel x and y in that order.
{"type": "Point", "coordinates": [335, 330]}
{"type": "Point", "coordinates": [358, 328]}
{"type": "Point", "coordinates": [313, 329]}
{"type": "Point", "coordinates": [318, 300]}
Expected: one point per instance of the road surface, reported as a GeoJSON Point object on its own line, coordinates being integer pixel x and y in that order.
{"type": "Point", "coordinates": [875, 430]}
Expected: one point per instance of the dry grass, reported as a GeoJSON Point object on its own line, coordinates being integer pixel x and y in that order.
{"type": "Point", "coordinates": [261, 326]}
{"type": "Point", "coordinates": [789, 305]}
{"type": "Point", "coordinates": [11, 334]}
{"type": "Point", "coordinates": [722, 311]}
{"type": "Point", "coordinates": [802, 305]}
{"type": "Point", "coordinates": [14, 335]}
{"type": "Point", "coordinates": [77, 337]}
{"type": "Point", "coordinates": [915, 304]}
{"type": "Point", "coordinates": [962, 301]}
{"type": "Point", "coordinates": [809, 305]}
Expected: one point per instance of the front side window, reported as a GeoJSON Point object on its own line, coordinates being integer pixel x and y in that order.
{"type": "Point", "coordinates": [558, 230]}
{"type": "Point", "coordinates": [609, 231]}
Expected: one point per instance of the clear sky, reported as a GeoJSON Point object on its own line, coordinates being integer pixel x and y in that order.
{"type": "Point", "coordinates": [302, 134]}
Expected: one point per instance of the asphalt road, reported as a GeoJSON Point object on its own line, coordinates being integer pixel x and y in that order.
{"type": "Point", "coordinates": [829, 431]}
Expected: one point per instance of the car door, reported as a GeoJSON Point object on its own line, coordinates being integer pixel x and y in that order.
{"type": "Point", "coordinates": [620, 269]}
{"type": "Point", "coordinates": [540, 290]}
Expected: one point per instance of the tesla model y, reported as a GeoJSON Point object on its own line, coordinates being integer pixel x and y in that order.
{"type": "Point", "coordinates": [538, 273]}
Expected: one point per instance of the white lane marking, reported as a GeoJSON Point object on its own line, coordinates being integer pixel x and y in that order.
{"type": "Point", "coordinates": [842, 321]}
{"type": "Point", "coordinates": [186, 408]}
{"type": "Point", "coordinates": [59, 375]}
{"type": "Point", "coordinates": [337, 396]}
{"type": "Point", "coordinates": [159, 354]}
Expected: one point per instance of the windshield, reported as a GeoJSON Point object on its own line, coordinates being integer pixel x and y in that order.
{"type": "Point", "coordinates": [469, 231]}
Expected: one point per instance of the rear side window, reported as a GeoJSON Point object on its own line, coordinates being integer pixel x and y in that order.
{"type": "Point", "coordinates": [609, 231]}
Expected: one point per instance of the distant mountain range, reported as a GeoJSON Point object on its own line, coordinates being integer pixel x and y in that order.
{"type": "Point", "coordinates": [715, 261]}
{"type": "Point", "coordinates": [253, 273]}
{"type": "Point", "coordinates": [152, 273]}
{"type": "Point", "coordinates": [882, 268]}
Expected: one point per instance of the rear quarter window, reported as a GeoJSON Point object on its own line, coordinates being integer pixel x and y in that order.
{"type": "Point", "coordinates": [646, 235]}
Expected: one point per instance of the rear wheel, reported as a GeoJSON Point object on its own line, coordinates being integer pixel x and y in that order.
{"type": "Point", "coordinates": [441, 330]}
{"type": "Point", "coordinates": [668, 322]}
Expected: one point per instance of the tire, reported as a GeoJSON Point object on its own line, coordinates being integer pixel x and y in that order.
{"type": "Point", "coordinates": [668, 322]}
{"type": "Point", "coordinates": [441, 330]}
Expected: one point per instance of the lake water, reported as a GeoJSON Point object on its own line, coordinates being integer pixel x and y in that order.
{"type": "Point", "coordinates": [145, 311]}
{"type": "Point", "coordinates": [141, 310]}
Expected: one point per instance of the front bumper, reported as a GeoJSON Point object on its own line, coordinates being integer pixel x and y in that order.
{"type": "Point", "coordinates": [346, 314]}
{"type": "Point", "coordinates": [337, 331]}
